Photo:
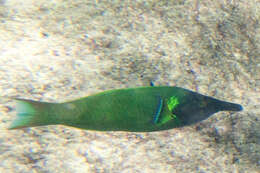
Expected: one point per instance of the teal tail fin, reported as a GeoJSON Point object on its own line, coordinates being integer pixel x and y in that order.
{"type": "Point", "coordinates": [31, 113]}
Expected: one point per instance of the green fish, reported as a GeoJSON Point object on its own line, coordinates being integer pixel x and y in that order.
{"type": "Point", "coordinates": [142, 109]}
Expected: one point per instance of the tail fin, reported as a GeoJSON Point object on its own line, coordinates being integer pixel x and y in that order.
{"type": "Point", "coordinates": [31, 113]}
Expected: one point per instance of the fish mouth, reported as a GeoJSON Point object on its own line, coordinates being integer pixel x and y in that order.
{"type": "Point", "coordinates": [227, 106]}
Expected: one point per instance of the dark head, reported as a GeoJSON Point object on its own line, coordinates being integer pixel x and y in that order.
{"type": "Point", "coordinates": [197, 107]}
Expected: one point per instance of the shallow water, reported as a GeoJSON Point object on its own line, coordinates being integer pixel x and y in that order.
{"type": "Point", "coordinates": [57, 51]}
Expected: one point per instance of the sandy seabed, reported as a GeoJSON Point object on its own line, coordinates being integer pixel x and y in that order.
{"type": "Point", "coordinates": [61, 50]}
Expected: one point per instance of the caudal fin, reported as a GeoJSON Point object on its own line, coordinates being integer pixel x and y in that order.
{"type": "Point", "coordinates": [31, 113]}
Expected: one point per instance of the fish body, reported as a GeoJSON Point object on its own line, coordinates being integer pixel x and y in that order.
{"type": "Point", "coordinates": [141, 109]}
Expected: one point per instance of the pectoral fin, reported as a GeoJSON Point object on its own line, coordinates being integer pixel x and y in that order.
{"type": "Point", "coordinates": [164, 111]}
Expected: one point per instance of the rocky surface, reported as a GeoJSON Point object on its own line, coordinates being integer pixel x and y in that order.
{"type": "Point", "coordinates": [61, 50]}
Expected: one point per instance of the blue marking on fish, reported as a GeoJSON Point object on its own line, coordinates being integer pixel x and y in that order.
{"type": "Point", "coordinates": [158, 111]}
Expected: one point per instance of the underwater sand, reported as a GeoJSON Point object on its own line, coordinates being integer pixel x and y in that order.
{"type": "Point", "coordinates": [62, 50]}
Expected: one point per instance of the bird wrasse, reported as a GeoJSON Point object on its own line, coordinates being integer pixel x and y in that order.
{"type": "Point", "coordinates": [141, 109]}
